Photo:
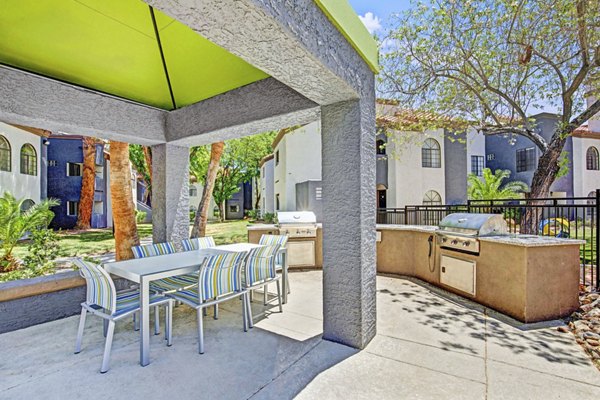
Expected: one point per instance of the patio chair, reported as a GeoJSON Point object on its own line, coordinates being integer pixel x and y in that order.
{"type": "Point", "coordinates": [281, 240]}
{"type": "Point", "coordinates": [219, 280]}
{"type": "Point", "coordinates": [103, 300]}
{"type": "Point", "coordinates": [260, 270]}
{"type": "Point", "coordinates": [166, 285]}
{"type": "Point", "coordinates": [198, 243]}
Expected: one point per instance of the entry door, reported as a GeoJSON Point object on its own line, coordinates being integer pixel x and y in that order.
{"type": "Point", "coordinates": [381, 199]}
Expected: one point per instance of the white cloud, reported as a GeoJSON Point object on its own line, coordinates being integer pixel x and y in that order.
{"type": "Point", "coordinates": [371, 21]}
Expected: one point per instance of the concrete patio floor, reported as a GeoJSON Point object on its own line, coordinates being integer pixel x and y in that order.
{"type": "Point", "coordinates": [429, 345]}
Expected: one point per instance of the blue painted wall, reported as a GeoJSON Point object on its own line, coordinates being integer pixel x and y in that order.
{"type": "Point", "coordinates": [505, 154]}
{"type": "Point", "coordinates": [63, 150]}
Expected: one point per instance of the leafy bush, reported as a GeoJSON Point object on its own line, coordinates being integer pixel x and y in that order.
{"type": "Point", "coordinates": [253, 214]}
{"type": "Point", "coordinates": [269, 218]}
{"type": "Point", "coordinates": [42, 251]}
{"type": "Point", "coordinates": [140, 216]}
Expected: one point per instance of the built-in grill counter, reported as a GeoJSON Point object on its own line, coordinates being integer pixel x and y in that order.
{"type": "Point", "coordinates": [530, 278]}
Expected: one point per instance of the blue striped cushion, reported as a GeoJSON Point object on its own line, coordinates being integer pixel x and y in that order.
{"type": "Point", "coordinates": [151, 250]}
{"type": "Point", "coordinates": [100, 287]}
{"type": "Point", "coordinates": [174, 283]}
{"type": "Point", "coordinates": [220, 275]}
{"type": "Point", "coordinates": [260, 264]}
{"type": "Point", "coordinates": [281, 240]}
{"type": "Point", "coordinates": [198, 243]}
{"type": "Point", "coordinates": [130, 300]}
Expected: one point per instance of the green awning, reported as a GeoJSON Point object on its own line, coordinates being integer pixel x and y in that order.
{"type": "Point", "coordinates": [111, 46]}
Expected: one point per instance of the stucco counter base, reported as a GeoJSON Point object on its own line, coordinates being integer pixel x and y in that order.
{"type": "Point", "coordinates": [530, 280]}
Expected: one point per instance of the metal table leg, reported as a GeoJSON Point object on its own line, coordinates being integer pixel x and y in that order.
{"type": "Point", "coordinates": [284, 274]}
{"type": "Point", "coordinates": [144, 321]}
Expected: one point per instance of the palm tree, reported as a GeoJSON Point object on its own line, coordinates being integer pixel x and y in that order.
{"type": "Point", "coordinates": [88, 178]}
{"type": "Point", "coordinates": [121, 195]}
{"type": "Point", "coordinates": [199, 229]}
{"type": "Point", "coordinates": [491, 188]}
{"type": "Point", "coordinates": [16, 222]}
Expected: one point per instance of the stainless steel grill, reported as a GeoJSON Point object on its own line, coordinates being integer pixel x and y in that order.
{"type": "Point", "coordinates": [297, 224]}
{"type": "Point", "coordinates": [461, 231]}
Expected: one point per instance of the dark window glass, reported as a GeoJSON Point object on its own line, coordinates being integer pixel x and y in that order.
{"type": "Point", "coordinates": [4, 154]}
{"type": "Point", "coordinates": [431, 155]}
{"type": "Point", "coordinates": [381, 147]}
{"type": "Point", "coordinates": [72, 208]}
{"type": "Point", "coordinates": [592, 159]}
{"type": "Point", "coordinates": [526, 159]}
{"type": "Point", "coordinates": [28, 160]}
{"type": "Point", "coordinates": [73, 169]}
{"type": "Point", "coordinates": [477, 165]}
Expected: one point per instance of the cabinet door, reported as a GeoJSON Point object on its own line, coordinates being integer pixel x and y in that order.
{"type": "Point", "coordinates": [459, 274]}
{"type": "Point", "coordinates": [301, 254]}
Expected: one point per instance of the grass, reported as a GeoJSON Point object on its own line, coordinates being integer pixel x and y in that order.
{"type": "Point", "coordinates": [100, 241]}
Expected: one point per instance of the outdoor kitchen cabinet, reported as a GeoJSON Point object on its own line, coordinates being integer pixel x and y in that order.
{"type": "Point", "coordinates": [528, 278]}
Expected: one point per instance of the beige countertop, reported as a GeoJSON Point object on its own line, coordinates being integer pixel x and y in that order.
{"type": "Point", "coordinates": [416, 228]}
{"type": "Point", "coordinates": [262, 227]}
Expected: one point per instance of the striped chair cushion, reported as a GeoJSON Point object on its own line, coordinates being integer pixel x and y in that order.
{"type": "Point", "coordinates": [151, 250]}
{"type": "Point", "coordinates": [130, 300]}
{"type": "Point", "coordinates": [100, 287]}
{"type": "Point", "coordinates": [220, 275]}
{"type": "Point", "coordinates": [260, 264]}
{"type": "Point", "coordinates": [281, 240]}
{"type": "Point", "coordinates": [174, 283]}
{"type": "Point", "coordinates": [198, 243]}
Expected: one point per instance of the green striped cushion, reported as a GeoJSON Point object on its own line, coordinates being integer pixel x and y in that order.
{"type": "Point", "coordinates": [174, 283]}
{"type": "Point", "coordinates": [220, 275]}
{"type": "Point", "coordinates": [151, 250]}
{"type": "Point", "coordinates": [130, 300]}
{"type": "Point", "coordinates": [100, 287]}
{"type": "Point", "coordinates": [198, 243]}
{"type": "Point", "coordinates": [281, 240]}
{"type": "Point", "coordinates": [260, 264]}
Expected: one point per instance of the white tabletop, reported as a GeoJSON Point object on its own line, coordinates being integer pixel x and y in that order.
{"type": "Point", "coordinates": [238, 247]}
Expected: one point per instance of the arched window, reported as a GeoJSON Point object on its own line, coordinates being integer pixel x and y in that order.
{"type": "Point", "coordinates": [380, 146]}
{"type": "Point", "coordinates": [592, 159]}
{"type": "Point", "coordinates": [28, 160]}
{"type": "Point", "coordinates": [26, 205]}
{"type": "Point", "coordinates": [431, 155]}
{"type": "Point", "coordinates": [4, 154]}
{"type": "Point", "coordinates": [432, 198]}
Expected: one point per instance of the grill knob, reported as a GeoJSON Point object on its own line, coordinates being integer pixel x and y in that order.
{"type": "Point", "coordinates": [466, 244]}
{"type": "Point", "coordinates": [444, 240]}
{"type": "Point", "coordinates": [454, 242]}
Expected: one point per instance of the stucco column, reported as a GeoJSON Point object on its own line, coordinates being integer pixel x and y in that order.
{"type": "Point", "coordinates": [349, 267]}
{"type": "Point", "coordinates": [170, 193]}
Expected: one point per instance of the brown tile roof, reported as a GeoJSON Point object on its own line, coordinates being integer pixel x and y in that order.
{"type": "Point", "coordinates": [282, 133]}
{"type": "Point", "coordinates": [265, 159]}
{"type": "Point", "coordinates": [584, 132]}
{"type": "Point", "coordinates": [406, 119]}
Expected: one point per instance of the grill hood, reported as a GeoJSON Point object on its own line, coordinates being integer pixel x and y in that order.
{"type": "Point", "coordinates": [296, 218]}
{"type": "Point", "coordinates": [474, 224]}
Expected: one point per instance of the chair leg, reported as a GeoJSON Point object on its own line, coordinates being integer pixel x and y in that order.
{"type": "Point", "coordinates": [204, 312]}
{"type": "Point", "coordinates": [105, 327]}
{"type": "Point", "coordinates": [287, 283]}
{"type": "Point", "coordinates": [157, 320]}
{"type": "Point", "coordinates": [216, 311]}
{"type": "Point", "coordinates": [200, 333]}
{"type": "Point", "coordinates": [279, 295]}
{"type": "Point", "coordinates": [107, 346]}
{"type": "Point", "coordinates": [80, 330]}
{"type": "Point", "coordinates": [249, 311]}
{"type": "Point", "coordinates": [169, 323]}
{"type": "Point", "coordinates": [136, 322]}
{"type": "Point", "coordinates": [265, 294]}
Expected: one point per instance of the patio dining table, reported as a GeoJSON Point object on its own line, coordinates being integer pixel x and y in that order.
{"type": "Point", "coordinates": [145, 270]}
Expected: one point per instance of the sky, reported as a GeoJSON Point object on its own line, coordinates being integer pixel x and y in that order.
{"type": "Point", "coordinates": [376, 13]}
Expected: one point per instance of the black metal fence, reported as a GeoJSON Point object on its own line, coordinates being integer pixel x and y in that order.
{"type": "Point", "coordinates": [573, 217]}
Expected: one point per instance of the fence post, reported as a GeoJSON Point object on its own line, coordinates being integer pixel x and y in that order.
{"type": "Point", "coordinates": [597, 259]}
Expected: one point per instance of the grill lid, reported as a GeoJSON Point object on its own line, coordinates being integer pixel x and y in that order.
{"type": "Point", "coordinates": [296, 217]}
{"type": "Point", "coordinates": [474, 224]}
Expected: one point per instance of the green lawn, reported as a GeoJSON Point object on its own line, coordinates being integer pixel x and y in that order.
{"type": "Point", "coordinates": [100, 241]}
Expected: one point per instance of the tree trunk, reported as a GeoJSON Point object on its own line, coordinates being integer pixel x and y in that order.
{"type": "Point", "coordinates": [222, 217]}
{"type": "Point", "coordinates": [88, 177]}
{"type": "Point", "coordinates": [258, 194]}
{"type": "Point", "coordinates": [544, 176]}
{"type": "Point", "coordinates": [148, 158]}
{"type": "Point", "coordinates": [125, 228]}
{"type": "Point", "coordinates": [199, 229]}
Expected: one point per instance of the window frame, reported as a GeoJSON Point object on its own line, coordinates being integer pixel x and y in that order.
{"type": "Point", "coordinates": [592, 164]}
{"type": "Point", "coordinates": [76, 204]}
{"type": "Point", "coordinates": [477, 165]}
{"type": "Point", "coordinates": [431, 154]}
{"type": "Point", "coordinates": [7, 152]}
{"type": "Point", "coordinates": [526, 162]}
{"type": "Point", "coordinates": [80, 165]}
{"type": "Point", "coordinates": [430, 201]}
{"type": "Point", "coordinates": [28, 161]}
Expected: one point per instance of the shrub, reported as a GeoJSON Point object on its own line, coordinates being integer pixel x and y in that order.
{"type": "Point", "coordinates": [140, 216]}
{"type": "Point", "coordinates": [253, 214]}
{"type": "Point", "coordinates": [269, 218]}
{"type": "Point", "coordinates": [42, 252]}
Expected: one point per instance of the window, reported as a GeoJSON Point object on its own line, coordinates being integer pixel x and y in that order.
{"type": "Point", "coordinates": [277, 157]}
{"type": "Point", "coordinates": [73, 169]}
{"type": "Point", "coordinates": [526, 159]}
{"type": "Point", "coordinates": [432, 198]}
{"type": "Point", "coordinates": [477, 165]}
{"type": "Point", "coordinates": [277, 202]}
{"type": "Point", "coordinates": [72, 208]}
{"type": "Point", "coordinates": [592, 159]}
{"type": "Point", "coordinates": [28, 160]}
{"type": "Point", "coordinates": [318, 193]}
{"type": "Point", "coordinates": [98, 207]}
{"type": "Point", "coordinates": [431, 155]}
{"type": "Point", "coordinates": [193, 191]}
{"type": "Point", "coordinates": [52, 163]}
{"type": "Point", "coordinates": [27, 204]}
{"type": "Point", "coordinates": [381, 147]}
{"type": "Point", "coordinates": [234, 208]}
{"type": "Point", "coordinates": [4, 154]}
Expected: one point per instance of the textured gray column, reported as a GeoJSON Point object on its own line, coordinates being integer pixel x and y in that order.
{"type": "Point", "coordinates": [170, 193]}
{"type": "Point", "coordinates": [349, 268]}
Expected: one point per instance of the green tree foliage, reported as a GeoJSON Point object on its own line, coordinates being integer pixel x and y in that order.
{"type": "Point", "coordinates": [199, 158]}
{"type": "Point", "coordinates": [490, 187]}
{"type": "Point", "coordinates": [15, 223]}
{"type": "Point", "coordinates": [137, 158]}
{"type": "Point", "coordinates": [488, 63]}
